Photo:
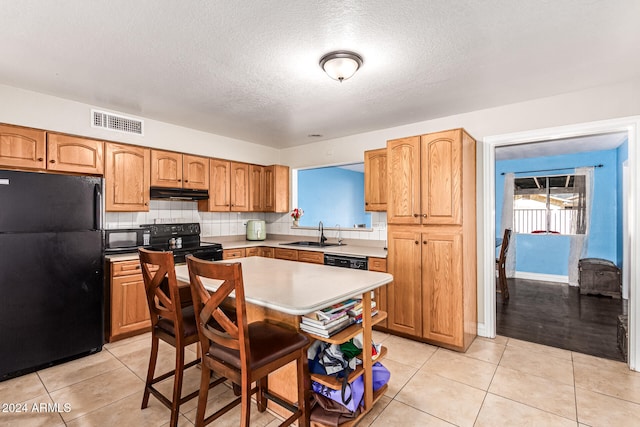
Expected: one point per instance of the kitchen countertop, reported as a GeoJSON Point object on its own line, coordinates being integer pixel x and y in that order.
{"type": "Point", "coordinates": [297, 287]}
{"type": "Point", "coordinates": [347, 249]}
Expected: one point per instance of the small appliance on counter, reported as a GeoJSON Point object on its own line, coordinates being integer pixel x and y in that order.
{"type": "Point", "coordinates": [256, 229]}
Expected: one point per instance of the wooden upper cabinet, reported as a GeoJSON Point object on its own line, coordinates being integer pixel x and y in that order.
{"type": "Point", "coordinates": [177, 170]}
{"type": "Point", "coordinates": [166, 169]}
{"type": "Point", "coordinates": [258, 189]}
{"type": "Point", "coordinates": [195, 172]}
{"type": "Point", "coordinates": [276, 188]}
{"type": "Point", "coordinates": [67, 153]}
{"type": "Point", "coordinates": [375, 180]}
{"type": "Point", "coordinates": [22, 147]}
{"type": "Point", "coordinates": [127, 178]}
{"type": "Point", "coordinates": [441, 162]}
{"type": "Point", "coordinates": [228, 187]}
{"type": "Point", "coordinates": [239, 187]}
{"type": "Point", "coordinates": [403, 177]}
{"type": "Point", "coordinates": [425, 178]}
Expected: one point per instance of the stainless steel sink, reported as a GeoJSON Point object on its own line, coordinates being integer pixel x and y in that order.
{"type": "Point", "coordinates": [310, 244]}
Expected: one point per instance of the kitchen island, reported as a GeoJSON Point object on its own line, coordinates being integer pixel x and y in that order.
{"type": "Point", "coordinates": [281, 291]}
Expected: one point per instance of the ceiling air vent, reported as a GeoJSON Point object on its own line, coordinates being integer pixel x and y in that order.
{"type": "Point", "coordinates": [116, 122]}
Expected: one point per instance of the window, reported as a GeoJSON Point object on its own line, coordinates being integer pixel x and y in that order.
{"type": "Point", "coordinates": [549, 204]}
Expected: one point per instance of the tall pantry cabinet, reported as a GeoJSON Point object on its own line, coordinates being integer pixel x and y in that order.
{"type": "Point", "coordinates": [431, 217]}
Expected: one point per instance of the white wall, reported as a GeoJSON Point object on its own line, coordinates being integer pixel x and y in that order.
{"type": "Point", "coordinates": [26, 108]}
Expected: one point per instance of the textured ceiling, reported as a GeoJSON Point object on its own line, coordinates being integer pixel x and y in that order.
{"type": "Point", "coordinates": [249, 70]}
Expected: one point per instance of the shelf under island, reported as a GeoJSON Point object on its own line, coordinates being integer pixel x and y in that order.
{"type": "Point", "coordinates": [281, 291]}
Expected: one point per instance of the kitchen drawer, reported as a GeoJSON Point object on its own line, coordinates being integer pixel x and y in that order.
{"type": "Point", "coordinates": [233, 253]}
{"type": "Point", "coordinates": [125, 268]}
{"type": "Point", "coordinates": [290, 254]}
{"type": "Point", "coordinates": [378, 264]}
{"type": "Point", "coordinates": [311, 256]}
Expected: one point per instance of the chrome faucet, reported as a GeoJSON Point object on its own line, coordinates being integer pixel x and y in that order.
{"type": "Point", "coordinates": [339, 235]}
{"type": "Point", "coordinates": [321, 230]}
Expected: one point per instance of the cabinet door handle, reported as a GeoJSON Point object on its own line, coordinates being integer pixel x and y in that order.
{"type": "Point", "coordinates": [40, 159]}
{"type": "Point", "coordinates": [417, 243]}
{"type": "Point", "coordinates": [424, 215]}
{"type": "Point", "coordinates": [424, 242]}
{"type": "Point", "coordinates": [416, 215]}
{"type": "Point", "coordinates": [52, 161]}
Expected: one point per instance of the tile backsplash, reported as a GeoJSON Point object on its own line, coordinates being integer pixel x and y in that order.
{"type": "Point", "coordinates": [234, 223]}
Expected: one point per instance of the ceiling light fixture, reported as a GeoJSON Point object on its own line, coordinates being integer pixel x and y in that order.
{"type": "Point", "coordinates": [341, 64]}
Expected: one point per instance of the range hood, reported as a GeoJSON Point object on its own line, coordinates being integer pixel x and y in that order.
{"type": "Point", "coordinates": [178, 193]}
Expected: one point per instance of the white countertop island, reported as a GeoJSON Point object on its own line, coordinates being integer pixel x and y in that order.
{"type": "Point", "coordinates": [281, 291]}
{"type": "Point", "coordinates": [297, 288]}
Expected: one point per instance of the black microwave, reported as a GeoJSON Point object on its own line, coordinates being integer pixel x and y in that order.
{"type": "Point", "coordinates": [126, 239]}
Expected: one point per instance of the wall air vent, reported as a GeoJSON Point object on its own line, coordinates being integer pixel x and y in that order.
{"type": "Point", "coordinates": [116, 122]}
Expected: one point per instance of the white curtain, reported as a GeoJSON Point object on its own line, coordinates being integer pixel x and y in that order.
{"type": "Point", "coordinates": [507, 222]}
{"type": "Point", "coordinates": [578, 243]}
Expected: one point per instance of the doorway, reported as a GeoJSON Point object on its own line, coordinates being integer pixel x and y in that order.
{"type": "Point", "coordinates": [632, 127]}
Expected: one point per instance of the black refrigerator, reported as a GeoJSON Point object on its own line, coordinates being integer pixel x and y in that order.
{"type": "Point", "coordinates": [51, 270]}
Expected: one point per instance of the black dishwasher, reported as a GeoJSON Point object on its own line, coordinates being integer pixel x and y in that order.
{"type": "Point", "coordinates": [355, 262]}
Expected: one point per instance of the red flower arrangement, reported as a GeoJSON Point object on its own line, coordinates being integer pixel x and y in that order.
{"type": "Point", "coordinates": [296, 214]}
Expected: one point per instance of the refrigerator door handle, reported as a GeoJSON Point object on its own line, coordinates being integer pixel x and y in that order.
{"type": "Point", "coordinates": [97, 207]}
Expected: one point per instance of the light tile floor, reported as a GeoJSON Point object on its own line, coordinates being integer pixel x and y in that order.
{"type": "Point", "coordinates": [499, 382]}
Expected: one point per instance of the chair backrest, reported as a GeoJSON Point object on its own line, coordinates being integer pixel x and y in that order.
{"type": "Point", "coordinates": [214, 325]}
{"type": "Point", "coordinates": [504, 247]}
{"type": "Point", "coordinates": [161, 286]}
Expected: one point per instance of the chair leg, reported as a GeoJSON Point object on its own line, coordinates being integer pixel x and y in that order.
{"type": "Point", "coordinates": [504, 286]}
{"type": "Point", "coordinates": [245, 402]}
{"type": "Point", "coordinates": [150, 372]}
{"type": "Point", "coordinates": [261, 398]}
{"type": "Point", "coordinates": [205, 377]}
{"type": "Point", "coordinates": [177, 385]}
{"type": "Point", "coordinates": [304, 387]}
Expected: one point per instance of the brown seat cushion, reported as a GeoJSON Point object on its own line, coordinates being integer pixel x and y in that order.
{"type": "Point", "coordinates": [188, 322]}
{"type": "Point", "coordinates": [268, 342]}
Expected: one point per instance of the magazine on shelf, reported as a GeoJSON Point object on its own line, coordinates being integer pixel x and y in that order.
{"type": "Point", "coordinates": [334, 311]}
{"type": "Point", "coordinates": [357, 309]}
{"type": "Point", "coordinates": [358, 318]}
{"type": "Point", "coordinates": [312, 320]}
{"type": "Point", "coordinates": [326, 333]}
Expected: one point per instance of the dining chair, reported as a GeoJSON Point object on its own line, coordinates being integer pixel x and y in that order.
{"type": "Point", "coordinates": [243, 352]}
{"type": "Point", "coordinates": [501, 262]}
{"type": "Point", "coordinates": [172, 321]}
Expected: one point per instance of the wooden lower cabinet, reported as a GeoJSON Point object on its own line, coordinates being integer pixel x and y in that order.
{"type": "Point", "coordinates": [262, 251]}
{"type": "Point", "coordinates": [129, 311]}
{"type": "Point", "coordinates": [433, 296]}
{"type": "Point", "coordinates": [234, 253]}
{"type": "Point", "coordinates": [380, 294]}
{"type": "Point", "coordinates": [311, 257]}
{"type": "Point", "coordinates": [289, 254]}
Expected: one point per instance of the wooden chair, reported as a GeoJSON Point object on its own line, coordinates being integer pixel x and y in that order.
{"type": "Point", "coordinates": [501, 262]}
{"type": "Point", "coordinates": [244, 353]}
{"type": "Point", "coordinates": [170, 322]}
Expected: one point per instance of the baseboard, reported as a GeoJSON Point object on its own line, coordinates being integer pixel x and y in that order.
{"type": "Point", "coordinates": [542, 277]}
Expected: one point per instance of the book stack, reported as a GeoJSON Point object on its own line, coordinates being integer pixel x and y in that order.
{"type": "Point", "coordinates": [330, 320]}
{"type": "Point", "coordinates": [356, 311]}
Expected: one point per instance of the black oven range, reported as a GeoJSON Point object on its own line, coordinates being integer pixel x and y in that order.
{"type": "Point", "coordinates": [182, 240]}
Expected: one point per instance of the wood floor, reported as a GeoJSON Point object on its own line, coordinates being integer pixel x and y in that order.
{"type": "Point", "coordinates": [556, 315]}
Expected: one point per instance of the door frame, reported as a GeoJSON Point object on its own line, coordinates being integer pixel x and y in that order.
{"type": "Point", "coordinates": [631, 125]}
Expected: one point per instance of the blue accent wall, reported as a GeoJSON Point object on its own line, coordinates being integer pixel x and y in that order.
{"type": "Point", "coordinates": [332, 195]}
{"type": "Point", "coordinates": [549, 254]}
